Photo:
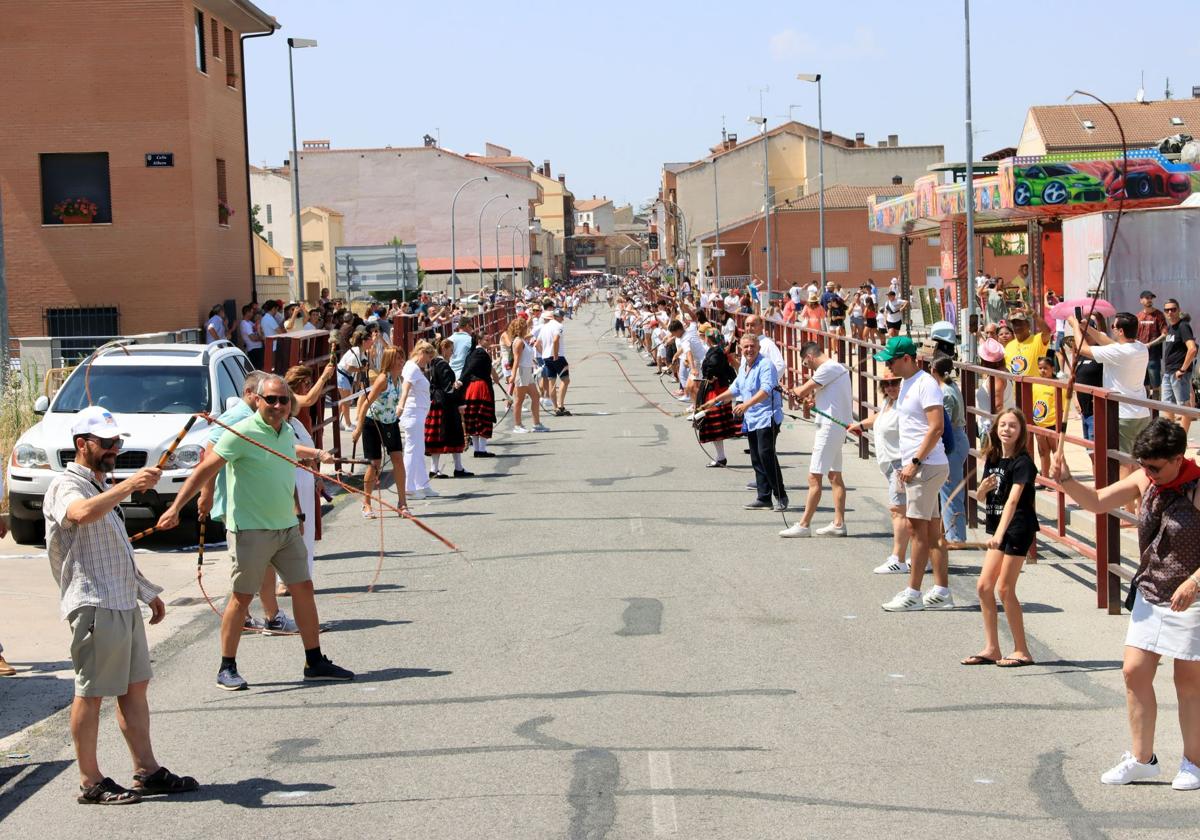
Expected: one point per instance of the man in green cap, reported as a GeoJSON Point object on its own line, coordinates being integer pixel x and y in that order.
{"type": "Point", "coordinates": [923, 474]}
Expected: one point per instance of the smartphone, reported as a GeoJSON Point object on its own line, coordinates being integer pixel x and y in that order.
{"type": "Point", "coordinates": [1079, 314]}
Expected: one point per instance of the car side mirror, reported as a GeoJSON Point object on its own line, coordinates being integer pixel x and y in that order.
{"type": "Point", "coordinates": [41, 404]}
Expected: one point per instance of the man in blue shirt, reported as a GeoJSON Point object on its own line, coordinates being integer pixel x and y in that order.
{"type": "Point", "coordinates": [760, 408]}
{"type": "Point", "coordinates": [463, 342]}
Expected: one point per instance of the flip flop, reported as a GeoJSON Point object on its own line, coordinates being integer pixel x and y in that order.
{"type": "Point", "coordinates": [1014, 662]}
{"type": "Point", "coordinates": [977, 660]}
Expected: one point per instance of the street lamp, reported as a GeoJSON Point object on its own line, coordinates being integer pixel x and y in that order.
{"type": "Point", "coordinates": [761, 122]}
{"type": "Point", "coordinates": [513, 250]}
{"type": "Point", "coordinates": [816, 79]}
{"type": "Point", "coordinates": [480, 235]}
{"type": "Point", "coordinates": [296, 44]}
{"type": "Point", "coordinates": [496, 276]}
{"type": "Point", "coordinates": [453, 243]}
{"type": "Point", "coordinates": [717, 217]}
{"type": "Point", "coordinates": [969, 325]}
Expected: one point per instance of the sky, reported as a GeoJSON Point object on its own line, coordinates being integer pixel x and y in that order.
{"type": "Point", "coordinates": [609, 91]}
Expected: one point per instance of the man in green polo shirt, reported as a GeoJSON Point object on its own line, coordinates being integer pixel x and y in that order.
{"type": "Point", "coordinates": [263, 514]}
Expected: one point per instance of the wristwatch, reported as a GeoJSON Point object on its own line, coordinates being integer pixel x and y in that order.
{"type": "Point", "coordinates": [916, 461]}
{"type": "Point", "coordinates": [300, 516]}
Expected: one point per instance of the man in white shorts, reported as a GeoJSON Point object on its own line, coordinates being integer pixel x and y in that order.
{"type": "Point", "coordinates": [924, 472]}
{"type": "Point", "coordinates": [829, 389]}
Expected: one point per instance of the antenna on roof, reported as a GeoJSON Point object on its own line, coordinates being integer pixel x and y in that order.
{"type": "Point", "coordinates": [1141, 94]}
{"type": "Point", "coordinates": [1167, 92]}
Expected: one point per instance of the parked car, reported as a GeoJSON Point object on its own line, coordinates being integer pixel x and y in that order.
{"type": "Point", "coordinates": [1147, 179]}
{"type": "Point", "coordinates": [151, 390]}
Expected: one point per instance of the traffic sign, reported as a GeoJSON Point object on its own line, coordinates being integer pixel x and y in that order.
{"type": "Point", "coordinates": [718, 252]}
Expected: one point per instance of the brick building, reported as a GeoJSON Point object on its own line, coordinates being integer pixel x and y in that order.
{"type": "Point", "coordinates": [137, 106]}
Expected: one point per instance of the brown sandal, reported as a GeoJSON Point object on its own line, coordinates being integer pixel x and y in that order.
{"type": "Point", "coordinates": [107, 792]}
{"type": "Point", "coordinates": [163, 780]}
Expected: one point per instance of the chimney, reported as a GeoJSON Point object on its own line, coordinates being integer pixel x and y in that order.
{"type": "Point", "coordinates": [893, 140]}
{"type": "Point", "coordinates": [732, 141]}
{"type": "Point", "coordinates": [546, 168]}
{"type": "Point", "coordinates": [882, 144]}
{"type": "Point", "coordinates": [308, 145]}
{"type": "Point", "coordinates": [1195, 91]}
{"type": "Point", "coordinates": [562, 179]}
{"type": "Point", "coordinates": [897, 180]}
{"type": "Point", "coordinates": [430, 141]}
{"type": "Point", "coordinates": [860, 140]}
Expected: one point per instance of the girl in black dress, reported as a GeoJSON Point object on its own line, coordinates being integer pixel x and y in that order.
{"type": "Point", "coordinates": [443, 424]}
{"type": "Point", "coordinates": [1008, 490]}
{"type": "Point", "coordinates": [479, 400]}
{"type": "Point", "coordinates": [717, 374]}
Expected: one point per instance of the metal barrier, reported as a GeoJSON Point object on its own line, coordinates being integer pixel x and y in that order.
{"type": "Point", "coordinates": [1104, 451]}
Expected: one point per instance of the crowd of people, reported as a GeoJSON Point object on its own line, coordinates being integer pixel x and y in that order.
{"type": "Point", "coordinates": [920, 443]}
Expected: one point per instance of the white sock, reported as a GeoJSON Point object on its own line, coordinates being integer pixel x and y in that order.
{"type": "Point", "coordinates": [719, 446]}
{"type": "Point", "coordinates": [437, 462]}
{"type": "Point", "coordinates": [941, 590]}
{"type": "Point", "coordinates": [915, 593]}
{"type": "Point", "coordinates": [480, 444]}
{"type": "Point", "coordinates": [892, 558]}
{"type": "Point", "coordinates": [458, 464]}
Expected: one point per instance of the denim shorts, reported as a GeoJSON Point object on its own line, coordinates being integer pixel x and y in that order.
{"type": "Point", "coordinates": [1177, 390]}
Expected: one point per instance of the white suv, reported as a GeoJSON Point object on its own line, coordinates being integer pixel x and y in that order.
{"type": "Point", "coordinates": [151, 389]}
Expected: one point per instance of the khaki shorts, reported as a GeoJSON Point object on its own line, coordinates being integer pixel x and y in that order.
{"type": "Point", "coordinates": [254, 550]}
{"type": "Point", "coordinates": [1128, 430]}
{"type": "Point", "coordinates": [108, 650]}
{"type": "Point", "coordinates": [921, 494]}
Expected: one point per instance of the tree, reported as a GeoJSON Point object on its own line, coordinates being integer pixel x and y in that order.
{"type": "Point", "coordinates": [255, 224]}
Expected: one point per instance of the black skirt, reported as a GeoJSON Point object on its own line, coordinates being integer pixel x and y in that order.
{"type": "Point", "coordinates": [443, 431]}
{"type": "Point", "coordinates": [718, 422]}
{"type": "Point", "coordinates": [479, 415]}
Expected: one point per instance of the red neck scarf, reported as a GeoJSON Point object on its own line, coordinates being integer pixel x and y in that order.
{"type": "Point", "coordinates": [1189, 471]}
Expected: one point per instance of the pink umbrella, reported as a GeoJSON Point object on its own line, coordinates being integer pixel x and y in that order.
{"type": "Point", "coordinates": [1065, 309]}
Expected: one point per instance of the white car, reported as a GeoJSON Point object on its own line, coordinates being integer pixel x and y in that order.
{"type": "Point", "coordinates": [151, 389]}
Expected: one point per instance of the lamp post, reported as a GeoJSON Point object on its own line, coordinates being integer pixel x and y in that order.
{"type": "Point", "coordinates": [296, 44]}
{"type": "Point", "coordinates": [761, 122]}
{"type": "Point", "coordinates": [480, 235]}
{"type": "Point", "coordinates": [717, 225]}
{"type": "Point", "coordinates": [453, 243]}
{"type": "Point", "coordinates": [513, 250]}
{"type": "Point", "coordinates": [816, 78]}
{"type": "Point", "coordinates": [968, 327]}
{"type": "Point", "coordinates": [687, 256]}
{"type": "Point", "coordinates": [496, 276]}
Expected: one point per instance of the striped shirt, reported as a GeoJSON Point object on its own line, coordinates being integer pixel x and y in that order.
{"type": "Point", "coordinates": [92, 563]}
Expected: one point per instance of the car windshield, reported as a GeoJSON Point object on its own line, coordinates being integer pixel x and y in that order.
{"type": "Point", "coordinates": [141, 389]}
{"type": "Point", "coordinates": [1060, 170]}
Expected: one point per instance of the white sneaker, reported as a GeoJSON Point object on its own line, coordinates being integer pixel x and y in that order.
{"type": "Point", "coordinates": [417, 494]}
{"type": "Point", "coordinates": [429, 493]}
{"type": "Point", "coordinates": [933, 601]}
{"type": "Point", "coordinates": [1129, 769]}
{"type": "Point", "coordinates": [893, 566]}
{"type": "Point", "coordinates": [1188, 777]}
{"type": "Point", "coordinates": [547, 403]}
{"type": "Point", "coordinates": [520, 430]}
{"type": "Point", "coordinates": [904, 602]}
{"type": "Point", "coordinates": [538, 427]}
{"type": "Point", "coordinates": [796, 530]}
{"type": "Point", "coordinates": [832, 530]}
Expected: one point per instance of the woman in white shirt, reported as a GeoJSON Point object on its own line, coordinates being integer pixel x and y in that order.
{"type": "Point", "coordinates": [352, 371]}
{"type": "Point", "coordinates": [885, 428]}
{"type": "Point", "coordinates": [413, 409]}
{"type": "Point", "coordinates": [215, 329]}
{"type": "Point", "coordinates": [521, 382]}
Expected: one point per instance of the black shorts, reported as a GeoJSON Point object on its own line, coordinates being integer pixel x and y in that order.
{"type": "Point", "coordinates": [556, 368]}
{"type": "Point", "coordinates": [1017, 541]}
{"type": "Point", "coordinates": [377, 437]}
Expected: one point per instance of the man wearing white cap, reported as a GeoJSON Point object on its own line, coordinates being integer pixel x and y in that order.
{"type": "Point", "coordinates": [100, 586]}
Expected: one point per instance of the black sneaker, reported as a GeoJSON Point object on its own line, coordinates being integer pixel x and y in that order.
{"type": "Point", "coordinates": [483, 454]}
{"type": "Point", "coordinates": [757, 504]}
{"type": "Point", "coordinates": [326, 671]}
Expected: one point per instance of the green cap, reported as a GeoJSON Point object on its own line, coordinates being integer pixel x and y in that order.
{"type": "Point", "coordinates": [897, 345]}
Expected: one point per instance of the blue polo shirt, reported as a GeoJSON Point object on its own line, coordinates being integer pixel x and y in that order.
{"type": "Point", "coordinates": [462, 346]}
{"type": "Point", "coordinates": [759, 377]}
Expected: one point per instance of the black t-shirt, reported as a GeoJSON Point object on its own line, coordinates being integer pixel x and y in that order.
{"type": "Point", "coordinates": [836, 309]}
{"type": "Point", "coordinates": [1017, 470]}
{"type": "Point", "coordinates": [1175, 346]}
{"type": "Point", "coordinates": [1089, 372]}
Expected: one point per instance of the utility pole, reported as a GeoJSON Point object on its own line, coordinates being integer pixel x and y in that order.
{"type": "Point", "coordinates": [968, 331]}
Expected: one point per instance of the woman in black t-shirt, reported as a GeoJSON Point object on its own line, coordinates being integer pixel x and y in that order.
{"type": "Point", "coordinates": [1008, 490]}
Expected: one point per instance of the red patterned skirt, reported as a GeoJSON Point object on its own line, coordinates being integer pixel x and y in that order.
{"type": "Point", "coordinates": [479, 417]}
{"type": "Point", "coordinates": [718, 422]}
{"type": "Point", "coordinates": [443, 431]}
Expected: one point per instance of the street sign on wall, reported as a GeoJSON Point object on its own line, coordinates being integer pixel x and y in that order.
{"type": "Point", "coordinates": [379, 268]}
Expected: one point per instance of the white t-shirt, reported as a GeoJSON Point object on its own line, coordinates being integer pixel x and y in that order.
{"type": "Point", "coordinates": [918, 393]}
{"type": "Point", "coordinates": [418, 391]}
{"type": "Point", "coordinates": [797, 295]}
{"type": "Point", "coordinates": [833, 397]}
{"type": "Point", "coordinates": [217, 323]}
{"type": "Point", "coordinates": [268, 326]}
{"type": "Point", "coordinates": [886, 433]}
{"type": "Point", "coordinates": [696, 346]}
{"type": "Point", "coordinates": [1125, 374]}
{"type": "Point", "coordinates": [767, 347]}
{"type": "Point", "coordinates": [893, 311]}
{"type": "Point", "coordinates": [547, 332]}
{"type": "Point", "coordinates": [731, 303]}
{"type": "Point", "coordinates": [247, 328]}
{"type": "Point", "coordinates": [352, 360]}
{"type": "Point", "coordinates": [705, 300]}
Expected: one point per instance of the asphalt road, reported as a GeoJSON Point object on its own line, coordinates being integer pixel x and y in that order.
{"type": "Point", "coordinates": [620, 651]}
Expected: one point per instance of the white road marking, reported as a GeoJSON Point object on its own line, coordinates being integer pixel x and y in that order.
{"type": "Point", "coordinates": [662, 807]}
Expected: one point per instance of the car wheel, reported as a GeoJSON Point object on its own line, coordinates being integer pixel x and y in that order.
{"type": "Point", "coordinates": [1054, 193]}
{"type": "Point", "coordinates": [1021, 194]}
{"type": "Point", "coordinates": [1138, 186]}
{"type": "Point", "coordinates": [27, 531]}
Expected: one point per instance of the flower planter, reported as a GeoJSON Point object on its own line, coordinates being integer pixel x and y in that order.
{"type": "Point", "coordinates": [76, 220]}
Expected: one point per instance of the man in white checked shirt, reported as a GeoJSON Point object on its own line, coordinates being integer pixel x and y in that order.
{"type": "Point", "coordinates": [100, 585]}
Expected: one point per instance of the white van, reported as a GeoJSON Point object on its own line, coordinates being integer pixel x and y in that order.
{"type": "Point", "coordinates": [151, 389]}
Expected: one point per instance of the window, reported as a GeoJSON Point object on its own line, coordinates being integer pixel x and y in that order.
{"type": "Point", "coordinates": [201, 57]}
{"type": "Point", "coordinates": [214, 29]}
{"type": "Point", "coordinates": [836, 259]}
{"type": "Point", "coordinates": [933, 274]}
{"type": "Point", "coordinates": [68, 177]}
{"type": "Point", "coordinates": [268, 214]}
{"type": "Point", "coordinates": [227, 386]}
{"type": "Point", "coordinates": [934, 241]}
{"type": "Point", "coordinates": [271, 239]}
{"type": "Point", "coordinates": [883, 257]}
{"type": "Point", "coordinates": [230, 64]}
{"type": "Point", "coordinates": [223, 209]}
{"type": "Point", "coordinates": [80, 330]}
{"type": "Point", "coordinates": [144, 389]}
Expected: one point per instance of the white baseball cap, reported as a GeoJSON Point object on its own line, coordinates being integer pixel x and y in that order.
{"type": "Point", "coordinates": [97, 421]}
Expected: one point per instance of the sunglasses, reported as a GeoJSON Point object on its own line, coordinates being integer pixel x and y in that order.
{"type": "Point", "coordinates": [1152, 470]}
{"type": "Point", "coordinates": [274, 399]}
{"type": "Point", "coordinates": [107, 443]}
{"type": "Point", "coordinates": [1170, 309]}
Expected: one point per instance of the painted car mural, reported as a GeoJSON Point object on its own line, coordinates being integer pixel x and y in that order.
{"type": "Point", "coordinates": [1055, 183]}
